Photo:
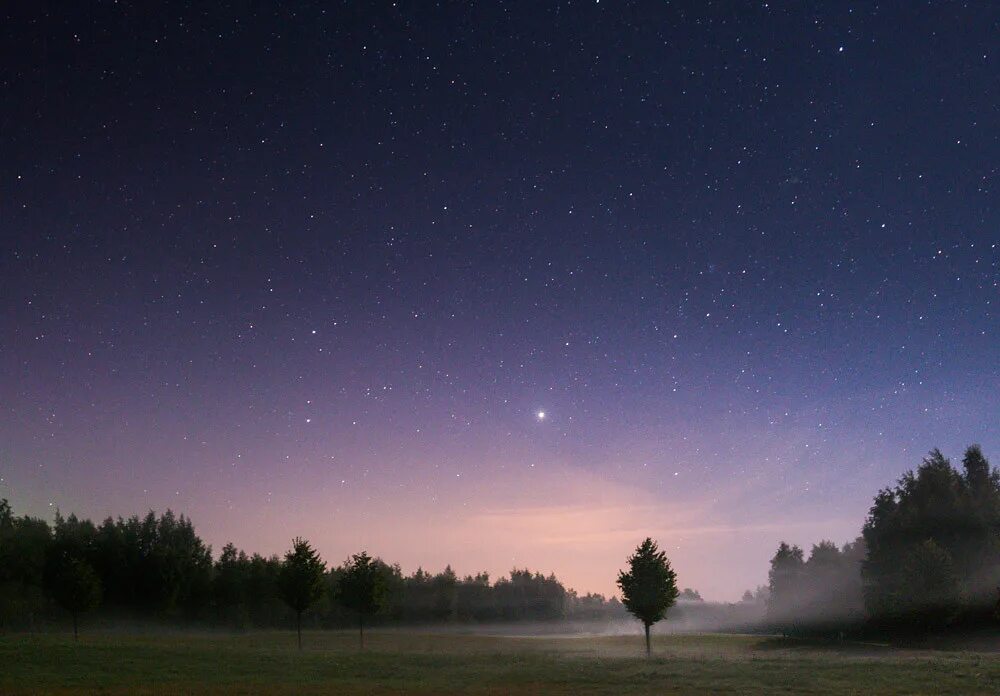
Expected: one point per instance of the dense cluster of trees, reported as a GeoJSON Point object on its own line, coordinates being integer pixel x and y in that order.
{"type": "Point", "coordinates": [151, 566]}
{"type": "Point", "coordinates": [157, 568]}
{"type": "Point", "coordinates": [934, 546]}
{"type": "Point", "coordinates": [820, 592]}
{"type": "Point", "coordinates": [928, 558]}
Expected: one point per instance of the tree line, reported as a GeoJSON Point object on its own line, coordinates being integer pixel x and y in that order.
{"type": "Point", "coordinates": [927, 560]}
{"type": "Point", "coordinates": [157, 568]}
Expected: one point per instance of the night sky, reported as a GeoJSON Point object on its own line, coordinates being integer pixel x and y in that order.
{"type": "Point", "coordinates": [498, 283]}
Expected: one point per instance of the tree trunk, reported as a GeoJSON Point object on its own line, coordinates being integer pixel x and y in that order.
{"type": "Point", "coordinates": [76, 634]}
{"type": "Point", "coordinates": [298, 626]}
{"type": "Point", "coordinates": [647, 640]}
{"type": "Point", "coordinates": [361, 629]}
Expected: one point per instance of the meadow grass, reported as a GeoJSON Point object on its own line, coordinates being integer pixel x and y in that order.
{"type": "Point", "coordinates": [424, 663]}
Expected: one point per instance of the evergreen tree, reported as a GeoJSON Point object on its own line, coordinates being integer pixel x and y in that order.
{"type": "Point", "coordinates": [649, 587]}
{"type": "Point", "coordinates": [300, 580]}
{"type": "Point", "coordinates": [983, 482]}
{"type": "Point", "coordinates": [980, 552]}
{"type": "Point", "coordinates": [363, 588]}
{"type": "Point", "coordinates": [784, 581]}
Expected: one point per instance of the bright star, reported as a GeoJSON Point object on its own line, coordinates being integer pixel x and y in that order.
{"type": "Point", "coordinates": [540, 415]}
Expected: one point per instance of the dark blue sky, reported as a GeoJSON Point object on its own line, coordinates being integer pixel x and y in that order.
{"type": "Point", "coordinates": [316, 270]}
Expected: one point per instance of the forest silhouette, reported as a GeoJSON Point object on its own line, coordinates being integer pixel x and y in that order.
{"type": "Point", "coordinates": [927, 560]}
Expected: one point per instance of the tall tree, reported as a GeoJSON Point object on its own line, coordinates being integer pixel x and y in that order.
{"type": "Point", "coordinates": [784, 582]}
{"type": "Point", "coordinates": [649, 587]}
{"type": "Point", "coordinates": [363, 588]}
{"type": "Point", "coordinates": [300, 580]}
{"type": "Point", "coordinates": [981, 550]}
{"type": "Point", "coordinates": [229, 585]}
{"type": "Point", "coordinates": [983, 482]}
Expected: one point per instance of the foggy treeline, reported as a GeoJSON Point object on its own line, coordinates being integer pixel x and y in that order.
{"type": "Point", "coordinates": [928, 559]}
{"type": "Point", "coordinates": [157, 568]}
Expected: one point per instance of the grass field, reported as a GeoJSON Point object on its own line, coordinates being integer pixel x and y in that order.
{"type": "Point", "coordinates": [416, 663]}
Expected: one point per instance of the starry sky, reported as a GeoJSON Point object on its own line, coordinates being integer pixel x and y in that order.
{"type": "Point", "coordinates": [319, 269]}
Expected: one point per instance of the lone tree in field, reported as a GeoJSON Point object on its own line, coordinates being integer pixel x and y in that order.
{"type": "Point", "coordinates": [76, 588]}
{"type": "Point", "coordinates": [649, 587]}
{"type": "Point", "coordinates": [363, 588]}
{"type": "Point", "coordinates": [300, 580]}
